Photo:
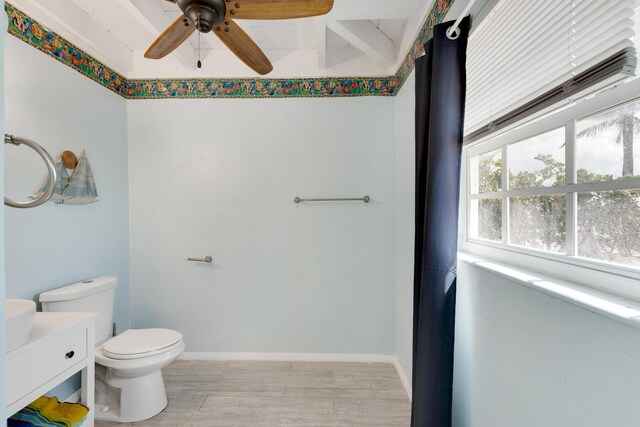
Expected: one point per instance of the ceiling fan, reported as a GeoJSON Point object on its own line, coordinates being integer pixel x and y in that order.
{"type": "Point", "coordinates": [218, 17]}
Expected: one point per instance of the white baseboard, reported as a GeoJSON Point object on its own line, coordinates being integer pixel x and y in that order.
{"type": "Point", "coordinates": [403, 377]}
{"type": "Point", "coordinates": [290, 357]}
{"type": "Point", "coordinates": [303, 357]}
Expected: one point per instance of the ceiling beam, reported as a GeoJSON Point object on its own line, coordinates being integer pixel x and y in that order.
{"type": "Point", "coordinates": [345, 10]}
{"type": "Point", "coordinates": [412, 28]}
{"type": "Point", "coordinates": [73, 23]}
{"type": "Point", "coordinates": [153, 18]}
{"type": "Point", "coordinates": [321, 46]}
{"type": "Point", "coordinates": [367, 38]}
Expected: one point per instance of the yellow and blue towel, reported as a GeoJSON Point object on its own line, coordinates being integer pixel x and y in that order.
{"type": "Point", "coordinates": [47, 411]}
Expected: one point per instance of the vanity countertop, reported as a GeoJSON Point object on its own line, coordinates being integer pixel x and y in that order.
{"type": "Point", "coordinates": [49, 325]}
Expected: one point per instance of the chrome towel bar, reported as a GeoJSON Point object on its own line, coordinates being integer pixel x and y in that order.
{"type": "Point", "coordinates": [364, 199]}
{"type": "Point", "coordinates": [53, 176]}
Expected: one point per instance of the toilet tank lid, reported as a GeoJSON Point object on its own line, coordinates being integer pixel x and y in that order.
{"type": "Point", "coordinates": [80, 289]}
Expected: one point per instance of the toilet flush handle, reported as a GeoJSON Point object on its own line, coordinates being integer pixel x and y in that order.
{"type": "Point", "coordinates": [205, 259]}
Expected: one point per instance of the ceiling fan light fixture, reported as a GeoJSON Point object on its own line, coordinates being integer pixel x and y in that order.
{"type": "Point", "coordinates": [203, 13]}
{"type": "Point", "coordinates": [206, 15]}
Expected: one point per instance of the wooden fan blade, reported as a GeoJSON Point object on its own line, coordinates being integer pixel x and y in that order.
{"type": "Point", "coordinates": [172, 37]}
{"type": "Point", "coordinates": [243, 46]}
{"type": "Point", "coordinates": [277, 9]}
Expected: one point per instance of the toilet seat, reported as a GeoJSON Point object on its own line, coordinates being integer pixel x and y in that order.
{"type": "Point", "coordinates": [139, 343]}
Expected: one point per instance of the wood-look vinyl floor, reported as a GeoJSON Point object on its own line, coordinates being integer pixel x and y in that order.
{"type": "Point", "coordinates": [205, 393]}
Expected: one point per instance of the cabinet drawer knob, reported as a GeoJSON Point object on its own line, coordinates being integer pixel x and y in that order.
{"type": "Point", "coordinates": [69, 355]}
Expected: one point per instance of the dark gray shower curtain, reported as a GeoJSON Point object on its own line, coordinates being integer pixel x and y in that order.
{"type": "Point", "coordinates": [440, 94]}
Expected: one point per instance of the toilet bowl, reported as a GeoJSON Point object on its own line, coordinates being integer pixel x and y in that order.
{"type": "Point", "coordinates": [130, 365]}
{"type": "Point", "coordinates": [129, 384]}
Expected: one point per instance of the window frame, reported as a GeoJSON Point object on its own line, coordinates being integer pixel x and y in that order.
{"type": "Point", "coordinates": [614, 278]}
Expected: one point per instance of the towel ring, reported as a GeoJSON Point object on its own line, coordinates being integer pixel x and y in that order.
{"type": "Point", "coordinates": [53, 176]}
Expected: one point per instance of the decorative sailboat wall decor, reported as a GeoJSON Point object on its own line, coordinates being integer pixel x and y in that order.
{"type": "Point", "coordinates": [79, 188]}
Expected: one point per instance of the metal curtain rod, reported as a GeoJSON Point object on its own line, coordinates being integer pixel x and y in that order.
{"type": "Point", "coordinates": [452, 31]}
{"type": "Point", "coordinates": [365, 199]}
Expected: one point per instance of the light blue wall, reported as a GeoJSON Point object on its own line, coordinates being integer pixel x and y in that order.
{"type": "Point", "coordinates": [404, 225]}
{"type": "Point", "coordinates": [55, 245]}
{"type": "Point", "coordinates": [3, 376]}
{"type": "Point", "coordinates": [527, 359]}
{"type": "Point", "coordinates": [218, 177]}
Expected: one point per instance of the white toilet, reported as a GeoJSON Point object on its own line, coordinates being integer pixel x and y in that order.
{"type": "Point", "coordinates": [129, 385]}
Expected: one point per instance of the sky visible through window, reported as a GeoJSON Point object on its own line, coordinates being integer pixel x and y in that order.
{"type": "Point", "coordinates": [601, 151]}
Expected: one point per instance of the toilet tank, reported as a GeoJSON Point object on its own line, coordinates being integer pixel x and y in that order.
{"type": "Point", "coordinates": [93, 295]}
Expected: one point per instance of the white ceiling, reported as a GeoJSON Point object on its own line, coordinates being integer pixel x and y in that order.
{"type": "Point", "coordinates": [357, 38]}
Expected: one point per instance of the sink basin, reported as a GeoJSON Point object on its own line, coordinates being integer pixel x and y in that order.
{"type": "Point", "coordinates": [19, 314]}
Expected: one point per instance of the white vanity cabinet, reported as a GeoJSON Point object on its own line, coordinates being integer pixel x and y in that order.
{"type": "Point", "coordinates": [60, 345]}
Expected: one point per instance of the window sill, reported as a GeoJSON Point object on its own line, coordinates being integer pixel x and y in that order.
{"type": "Point", "coordinates": [607, 278]}
{"type": "Point", "coordinates": [599, 302]}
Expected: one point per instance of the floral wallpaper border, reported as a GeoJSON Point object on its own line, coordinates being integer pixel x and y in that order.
{"type": "Point", "coordinates": [54, 45]}
{"type": "Point", "coordinates": [436, 16]}
{"type": "Point", "coordinates": [260, 88]}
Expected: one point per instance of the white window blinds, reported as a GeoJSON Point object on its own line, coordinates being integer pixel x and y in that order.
{"type": "Point", "coordinates": [524, 49]}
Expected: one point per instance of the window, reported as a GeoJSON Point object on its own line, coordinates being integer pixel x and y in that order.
{"type": "Point", "coordinates": [569, 191]}
{"type": "Point", "coordinates": [608, 151]}
{"type": "Point", "coordinates": [552, 134]}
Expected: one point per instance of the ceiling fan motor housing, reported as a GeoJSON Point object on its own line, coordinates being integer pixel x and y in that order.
{"type": "Point", "coordinates": [203, 13]}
